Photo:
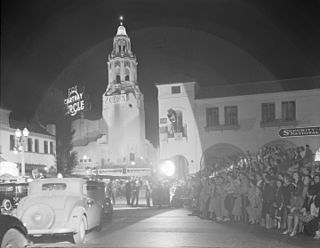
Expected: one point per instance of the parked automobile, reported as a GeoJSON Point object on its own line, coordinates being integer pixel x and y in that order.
{"type": "Point", "coordinates": [12, 232]}
{"type": "Point", "coordinates": [62, 206]}
{"type": "Point", "coordinates": [10, 195]}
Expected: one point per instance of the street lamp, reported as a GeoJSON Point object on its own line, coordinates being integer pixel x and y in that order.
{"type": "Point", "coordinates": [20, 137]}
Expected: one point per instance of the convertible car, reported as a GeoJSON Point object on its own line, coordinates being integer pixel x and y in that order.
{"type": "Point", "coordinates": [62, 206]}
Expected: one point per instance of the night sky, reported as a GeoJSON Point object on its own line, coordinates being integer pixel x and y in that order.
{"type": "Point", "coordinates": [50, 43]}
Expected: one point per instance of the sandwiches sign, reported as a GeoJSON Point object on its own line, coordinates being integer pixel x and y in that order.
{"type": "Point", "coordinates": [299, 132]}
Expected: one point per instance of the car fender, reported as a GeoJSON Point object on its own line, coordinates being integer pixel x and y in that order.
{"type": "Point", "coordinates": [75, 217]}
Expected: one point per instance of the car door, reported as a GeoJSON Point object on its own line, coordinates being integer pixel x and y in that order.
{"type": "Point", "coordinates": [93, 205]}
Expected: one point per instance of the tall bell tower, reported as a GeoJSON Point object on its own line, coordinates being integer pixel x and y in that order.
{"type": "Point", "coordinates": [123, 103]}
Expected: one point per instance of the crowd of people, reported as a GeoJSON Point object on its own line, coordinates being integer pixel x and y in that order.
{"type": "Point", "coordinates": [275, 188]}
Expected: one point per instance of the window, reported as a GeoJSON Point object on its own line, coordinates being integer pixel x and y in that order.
{"type": "Point", "coordinates": [118, 80]}
{"type": "Point", "coordinates": [231, 115]}
{"type": "Point", "coordinates": [175, 90]}
{"type": "Point", "coordinates": [54, 186]}
{"type": "Point", "coordinates": [212, 115]}
{"type": "Point", "coordinates": [289, 111]}
{"type": "Point", "coordinates": [268, 112]}
{"type": "Point", "coordinates": [12, 142]}
{"type": "Point", "coordinates": [131, 156]}
{"type": "Point", "coordinates": [127, 77]}
{"type": "Point", "coordinates": [81, 160]}
{"type": "Point", "coordinates": [119, 49]}
{"type": "Point", "coordinates": [36, 145]}
{"type": "Point", "coordinates": [45, 146]}
{"type": "Point", "coordinates": [179, 122]}
{"type": "Point", "coordinates": [51, 147]}
{"type": "Point", "coordinates": [29, 145]}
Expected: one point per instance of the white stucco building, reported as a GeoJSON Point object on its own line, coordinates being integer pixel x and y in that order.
{"type": "Point", "coordinates": [118, 138]}
{"type": "Point", "coordinates": [199, 125]}
{"type": "Point", "coordinates": [40, 144]}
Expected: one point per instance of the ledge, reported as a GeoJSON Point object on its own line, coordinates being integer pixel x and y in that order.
{"type": "Point", "coordinates": [278, 123]}
{"type": "Point", "coordinates": [222, 128]}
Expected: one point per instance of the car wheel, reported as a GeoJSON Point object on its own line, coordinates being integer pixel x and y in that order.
{"type": "Point", "coordinates": [80, 235]}
{"type": "Point", "coordinates": [6, 204]}
{"type": "Point", "coordinates": [13, 239]}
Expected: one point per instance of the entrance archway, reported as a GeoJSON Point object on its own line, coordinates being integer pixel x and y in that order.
{"type": "Point", "coordinates": [220, 154]}
{"type": "Point", "coordinates": [182, 166]}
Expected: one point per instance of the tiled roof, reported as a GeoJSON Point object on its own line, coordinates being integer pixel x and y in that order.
{"type": "Point", "coordinates": [226, 90]}
{"type": "Point", "coordinates": [33, 127]}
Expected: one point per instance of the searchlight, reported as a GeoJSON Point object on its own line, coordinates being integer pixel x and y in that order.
{"type": "Point", "coordinates": [168, 168]}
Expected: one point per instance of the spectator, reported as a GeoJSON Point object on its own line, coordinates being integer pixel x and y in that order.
{"type": "Point", "coordinates": [277, 207]}
{"type": "Point", "coordinates": [308, 156]}
{"type": "Point", "coordinates": [268, 197]}
{"type": "Point", "coordinates": [294, 213]}
{"type": "Point", "coordinates": [128, 191]}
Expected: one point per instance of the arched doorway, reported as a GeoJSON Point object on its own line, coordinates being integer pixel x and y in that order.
{"type": "Point", "coordinates": [182, 166]}
{"type": "Point", "coordinates": [218, 155]}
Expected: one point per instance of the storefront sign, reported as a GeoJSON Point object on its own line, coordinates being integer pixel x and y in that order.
{"type": "Point", "coordinates": [116, 99]}
{"type": "Point", "coordinates": [110, 172]}
{"type": "Point", "coordinates": [130, 172]}
{"type": "Point", "coordinates": [299, 132]}
{"type": "Point", "coordinates": [75, 101]}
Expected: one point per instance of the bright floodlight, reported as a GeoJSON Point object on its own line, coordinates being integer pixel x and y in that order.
{"type": "Point", "coordinates": [168, 168]}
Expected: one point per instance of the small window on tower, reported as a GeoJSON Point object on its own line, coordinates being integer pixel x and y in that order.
{"type": "Point", "coordinates": [119, 48]}
{"type": "Point", "coordinates": [127, 78]}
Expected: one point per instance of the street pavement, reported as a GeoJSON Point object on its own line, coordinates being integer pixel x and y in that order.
{"type": "Point", "coordinates": [168, 227]}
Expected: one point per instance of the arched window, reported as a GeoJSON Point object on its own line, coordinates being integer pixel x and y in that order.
{"type": "Point", "coordinates": [118, 80]}
{"type": "Point", "coordinates": [127, 75]}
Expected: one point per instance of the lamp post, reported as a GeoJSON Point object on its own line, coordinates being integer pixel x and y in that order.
{"type": "Point", "coordinates": [21, 137]}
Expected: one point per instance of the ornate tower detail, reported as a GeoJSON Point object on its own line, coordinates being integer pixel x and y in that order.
{"type": "Point", "coordinates": [123, 103]}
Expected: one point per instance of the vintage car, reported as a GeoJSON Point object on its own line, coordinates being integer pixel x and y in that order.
{"type": "Point", "coordinates": [62, 206]}
{"type": "Point", "coordinates": [12, 232]}
{"type": "Point", "coordinates": [10, 195]}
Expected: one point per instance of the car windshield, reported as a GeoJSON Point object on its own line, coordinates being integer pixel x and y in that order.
{"type": "Point", "coordinates": [5, 188]}
{"type": "Point", "coordinates": [54, 186]}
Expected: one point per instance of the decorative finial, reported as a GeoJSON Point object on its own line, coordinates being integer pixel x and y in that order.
{"type": "Point", "coordinates": [121, 19]}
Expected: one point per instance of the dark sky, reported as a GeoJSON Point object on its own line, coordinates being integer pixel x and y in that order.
{"type": "Point", "coordinates": [212, 42]}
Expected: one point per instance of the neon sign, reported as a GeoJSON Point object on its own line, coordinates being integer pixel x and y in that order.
{"type": "Point", "coordinates": [75, 101]}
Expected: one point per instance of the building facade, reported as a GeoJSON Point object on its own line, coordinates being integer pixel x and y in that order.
{"type": "Point", "coordinates": [198, 126]}
{"type": "Point", "coordinates": [118, 138]}
{"type": "Point", "coordinates": [39, 145]}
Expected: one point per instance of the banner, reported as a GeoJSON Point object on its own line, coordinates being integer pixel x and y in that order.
{"type": "Point", "coordinates": [116, 99]}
